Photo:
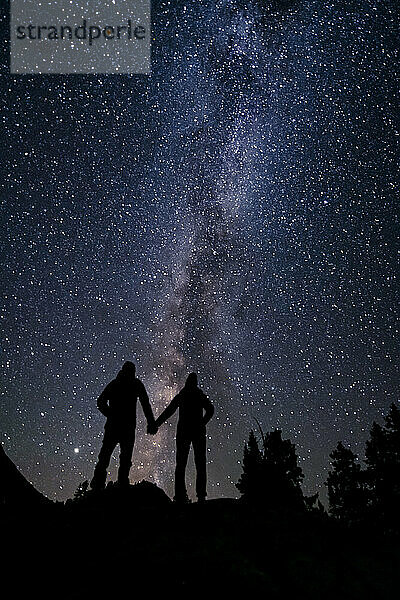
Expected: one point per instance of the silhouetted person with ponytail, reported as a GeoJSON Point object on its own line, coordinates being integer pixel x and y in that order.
{"type": "Point", "coordinates": [195, 410]}
{"type": "Point", "coordinates": [118, 403]}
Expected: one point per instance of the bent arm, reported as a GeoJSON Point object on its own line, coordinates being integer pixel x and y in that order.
{"type": "Point", "coordinates": [209, 410]}
{"type": "Point", "coordinates": [102, 402]}
{"type": "Point", "coordinates": [168, 412]}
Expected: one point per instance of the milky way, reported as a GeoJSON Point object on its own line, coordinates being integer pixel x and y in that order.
{"type": "Point", "coordinates": [233, 214]}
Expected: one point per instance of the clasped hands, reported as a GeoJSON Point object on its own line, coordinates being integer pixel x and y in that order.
{"type": "Point", "coordinates": [152, 428]}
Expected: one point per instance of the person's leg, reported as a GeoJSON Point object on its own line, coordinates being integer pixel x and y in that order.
{"type": "Point", "coordinates": [110, 440]}
{"type": "Point", "coordinates": [200, 449]}
{"type": "Point", "coordinates": [182, 453]}
{"type": "Point", "coordinates": [127, 442]}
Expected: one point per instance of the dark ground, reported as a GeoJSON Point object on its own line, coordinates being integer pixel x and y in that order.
{"type": "Point", "coordinates": [118, 543]}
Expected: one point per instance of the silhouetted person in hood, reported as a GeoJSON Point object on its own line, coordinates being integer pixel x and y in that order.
{"type": "Point", "coordinates": [118, 403]}
{"type": "Point", "coordinates": [195, 410]}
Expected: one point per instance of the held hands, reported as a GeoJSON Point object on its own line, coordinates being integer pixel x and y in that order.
{"type": "Point", "coordinates": [152, 428]}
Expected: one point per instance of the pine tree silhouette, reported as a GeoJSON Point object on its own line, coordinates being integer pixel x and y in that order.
{"type": "Point", "coordinates": [271, 475]}
{"type": "Point", "coordinates": [383, 469]}
{"type": "Point", "coordinates": [251, 481]}
{"type": "Point", "coordinates": [346, 486]}
{"type": "Point", "coordinates": [81, 490]}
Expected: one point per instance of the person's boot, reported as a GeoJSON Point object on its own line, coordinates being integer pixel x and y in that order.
{"type": "Point", "coordinates": [97, 485]}
{"type": "Point", "coordinates": [99, 478]}
{"type": "Point", "coordinates": [123, 482]}
{"type": "Point", "coordinates": [182, 499]}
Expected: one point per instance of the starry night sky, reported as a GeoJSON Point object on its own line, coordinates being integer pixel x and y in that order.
{"type": "Point", "coordinates": [233, 214]}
